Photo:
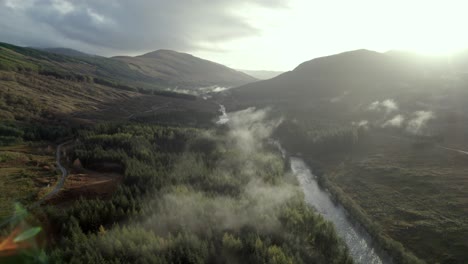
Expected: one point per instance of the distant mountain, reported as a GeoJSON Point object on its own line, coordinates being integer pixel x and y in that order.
{"type": "Point", "coordinates": [355, 78]}
{"type": "Point", "coordinates": [157, 70]}
{"type": "Point", "coordinates": [67, 52]}
{"type": "Point", "coordinates": [184, 70]}
{"type": "Point", "coordinates": [262, 75]}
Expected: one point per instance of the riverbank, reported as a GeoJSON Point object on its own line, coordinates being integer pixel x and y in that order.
{"type": "Point", "coordinates": [394, 249]}
{"type": "Point", "coordinates": [360, 244]}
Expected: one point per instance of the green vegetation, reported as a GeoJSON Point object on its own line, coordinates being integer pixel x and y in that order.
{"type": "Point", "coordinates": [82, 69]}
{"type": "Point", "coordinates": [177, 70]}
{"type": "Point", "coordinates": [417, 197]}
{"type": "Point", "coordinates": [189, 196]}
{"type": "Point", "coordinates": [406, 191]}
{"type": "Point", "coordinates": [24, 172]}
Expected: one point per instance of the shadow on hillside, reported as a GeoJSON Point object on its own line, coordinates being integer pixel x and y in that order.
{"type": "Point", "coordinates": [150, 108]}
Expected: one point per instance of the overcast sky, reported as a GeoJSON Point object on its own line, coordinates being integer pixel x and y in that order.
{"type": "Point", "coordinates": [245, 34]}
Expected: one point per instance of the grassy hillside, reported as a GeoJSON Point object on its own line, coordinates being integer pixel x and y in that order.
{"type": "Point", "coordinates": [67, 52]}
{"type": "Point", "coordinates": [184, 70]}
{"type": "Point", "coordinates": [160, 70]}
{"type": "Point", "coordinates": [97, 69]}
{"type": "Point", "coordinates": [56, 90]}
{"type": "Point", "coordinates": [25, 173]}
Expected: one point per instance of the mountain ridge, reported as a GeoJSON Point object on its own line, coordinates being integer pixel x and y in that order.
{"type": "Point", "coordinates": [160, 70]}
{"type": "Point", "coordinates": [187, 69]}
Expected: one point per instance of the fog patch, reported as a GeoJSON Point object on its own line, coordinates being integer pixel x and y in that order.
{"type": "Point", "coordinates": [223, 118]}
{"type": "Point", "coordinates": [388, 106]}
{"type": "Point", "coordinates": [205, 92]}
{"type": "Point", "coordinates": [361, 124]}
{"type": "Point", "coordinates": [339, 98]}
{"type": "Point", "coordinates": [396, 121]}
{"type": "Point", "coordinates": [253, 182]}
{"type": "Point", "coordinates": [419, 121]}
{"type": "Point", "coordinates": [250, 127]}
{"type": "Point", "coordinates": [212, 89]}
{"type": "Point", "coordinates": [197, 211]}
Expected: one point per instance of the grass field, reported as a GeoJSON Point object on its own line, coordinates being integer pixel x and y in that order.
{"type": "Point", "coordinates": [415, 196]}
{"type": "Point", "coordinates": [25, 173]}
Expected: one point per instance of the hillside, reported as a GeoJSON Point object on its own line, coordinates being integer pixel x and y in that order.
{"type": "Point", "coordinates": [184, 70]}
{"type": "Point", "coordinates": [43, 95]}
{"type": "Point", "coordinates": [67, 52]}
{"type": "Point", "coordinates": [387, 134]}
{"type": "Point", "coordinates": [163, 70]}
{"type": "Point", "coordinates": [362, 75]}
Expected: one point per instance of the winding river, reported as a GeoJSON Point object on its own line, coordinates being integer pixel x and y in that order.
{"type": "Point", "coordinates": [358, 241]}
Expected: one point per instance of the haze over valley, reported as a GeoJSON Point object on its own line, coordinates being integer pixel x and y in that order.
{"type": "Point", "coordinates": [130, 134]}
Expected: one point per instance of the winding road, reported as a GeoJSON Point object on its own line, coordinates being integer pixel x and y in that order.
{"type": "Point", "coordinates": [60, 183]}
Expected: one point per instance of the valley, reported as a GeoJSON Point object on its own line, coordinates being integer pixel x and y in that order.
{"type": "Point", "coordinates": [376, 174]}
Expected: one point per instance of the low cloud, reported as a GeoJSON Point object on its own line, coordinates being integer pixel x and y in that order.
{"type": "Point", "coordinates": [339, 98]}
{"type": "Point", "coordinates": [362, 124]}
{"type": "Point", "coordinates": [388, 106]}
{"type": "Point", "coordinates": [250, 127]}
{"type": "Point", "coordinates": [419, 121]}
{"type": "Point", "coordinates": [396, 121]}
{"type": "Point", "coordinates": [243, 167]}
{"type": "Point", "coordinates": [198, 211]}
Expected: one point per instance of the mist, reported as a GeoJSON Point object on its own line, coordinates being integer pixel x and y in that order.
{"type": "Point", "coordinates": [257, 179]}
{"type": "Point", "coordinates": [396, 121]}
{"type": "Point", "coordinates": [387, 106]}
{"type": "Point", "coordinates": [419, 121]}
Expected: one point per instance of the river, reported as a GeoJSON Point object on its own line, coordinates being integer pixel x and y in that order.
{"type": "Point", "coordinates": [358, 241]}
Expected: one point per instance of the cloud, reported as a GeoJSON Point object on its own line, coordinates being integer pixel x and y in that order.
{"type": "Point", "coordinates": [419, 121]}
{"type": "Point", "coordinates": [256, 206]}
{"type": "Point", "coordinates": [114, 26]}
{"type": "Point", "coordinates": [374, 106]}
{"type": "Point", "coordinates": [249, 128]}
{"type": "Point", "coordinates": [388, 105]}
{"type": "Point", "coordinates": [363, 123]}
{"type": "Point", "coordinates": [396, 121]}
{"type": "Point", "coordinates": [339, 98]}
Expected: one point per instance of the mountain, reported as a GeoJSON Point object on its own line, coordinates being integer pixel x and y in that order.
{"type": "Point", "coordinates": [67, 52]}
{"type": "Point", "coordinates": [43, 87]}
{"type": "Point", "coordinates": [357, 78]}
{"type": "Point", "coordinates": [262, 75]}
{"type": "Point", "coordinates": [160, 70]}
{"type": "Point", "coordinates": [185, 70]}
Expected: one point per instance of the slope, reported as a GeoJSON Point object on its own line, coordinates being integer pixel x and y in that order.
{"type": "Point", "coordinates": [184, 70]}
{"type": "Point", "coordinates": [160, 70]}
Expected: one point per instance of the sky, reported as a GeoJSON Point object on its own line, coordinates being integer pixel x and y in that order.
{"type": "Point", "coordinates": [242, 34]}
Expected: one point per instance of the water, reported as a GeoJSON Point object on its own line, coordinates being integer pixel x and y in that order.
{"type": "Point", "coordinates": [357, 240]}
